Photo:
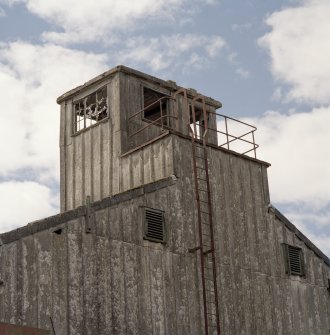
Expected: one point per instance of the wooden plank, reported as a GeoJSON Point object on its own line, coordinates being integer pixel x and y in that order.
{"type": "Point", "coordinates": [30, 283]}
{"type": "Point", "coordinates": [69, 181]}
{"type": "Point", "coordinates": [131, 289]}
{"type": "Point", "coordinates": [97, 163]}
{"type": "Point", "coordinates": [88, 162]}
{"type": "Point", "coordinates": [116, 163]}
{"type": "Point", "coordinates": [105, 158]}
{"type": "Point", "coordinates": [125, 173]}
{"type": "Point", "coordinates": [75, 278]}
{"type": "Point", "coordinates": [118, 288]}
{"type": "Point", "coordinates": [79, 171]}
{"type": "Point", "coordinates": [115, 223]}
{"type": "Point", "coordinates": [59, 274]}
{"type": "Point", "coordinates": [145, 320]}
{"type": "Point", "coordinates": [104, 286]}
{"type": "Point", "coordinates": [90, 283]}
{"type": "Point", "coordinates": [44, 264]}
{"type": "Point", "coordinates": [168, 156]}
{"type": "Point", "coordinates": [158, 160]}
{"type": "Point", "coordinates": [8, 291]}
{"type": "Point", "coordinates": [169, 294]}
{"type": "Point", "coordinates": [147, 165]}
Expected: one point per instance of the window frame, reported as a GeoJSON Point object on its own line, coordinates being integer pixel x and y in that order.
{"type": "Point", "coordinates": [83, 100]}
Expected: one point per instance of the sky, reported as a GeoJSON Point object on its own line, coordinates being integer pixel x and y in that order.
{"type": "Point", "coordinates": [266, 61]}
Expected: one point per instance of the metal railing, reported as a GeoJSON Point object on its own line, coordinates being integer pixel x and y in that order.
{"type": "Point", "coordinates": [232, 134]}
{"type": "Point", "coordinates": [214, 128]}
{"type": "Point", "coordinates": [157, 122]}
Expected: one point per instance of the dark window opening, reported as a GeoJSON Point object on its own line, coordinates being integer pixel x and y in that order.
{"type": "Point", "coordinates": [91, 109]}
{"type": "Point", "coordinates": [58, 231]}
{"type": "Point", "coordinates": [155, 106]}
{"type": "Point", "coordinates": [295, 261]}
{"type": "Point", "coordinates": [154, 225]}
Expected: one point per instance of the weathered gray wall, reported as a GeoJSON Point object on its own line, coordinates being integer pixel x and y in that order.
{"type": "Point", "coordinates": [92, 162]}
{"type": "Point", "coordinates": [107, 282]}
{"type": "Point", "coordinates": [256, 296]}
{"type": "Point", "coordinates": [113, 282]}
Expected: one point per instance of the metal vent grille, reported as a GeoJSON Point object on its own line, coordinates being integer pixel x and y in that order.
{"type": "Point", "coordinates": [154, 225]}
{"type": "Point", "coordinates": [295, 261]}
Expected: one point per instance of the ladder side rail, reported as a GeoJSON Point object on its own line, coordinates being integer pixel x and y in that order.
{"type": "Point", "coordinates": [209, 203]}
{"type": "Point", "coordinates": [200, 231]}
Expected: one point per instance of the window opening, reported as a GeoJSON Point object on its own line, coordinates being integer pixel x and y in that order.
{"type": "Point", "coordinates": [154, 225]}
{"type": "Point", "coordinates": [199, 126]}
{"type": "Point", "coordinates": [155, 108]}
{"type": "Point", "coordinates": [295, 264]}
{"type": "Point", "coordinates": [91, 109]}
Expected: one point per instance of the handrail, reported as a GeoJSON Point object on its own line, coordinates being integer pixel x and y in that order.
{"type": "Point", "coordinates": [150, 123]}
{"type": "Point", "coordinates": [153, 103]}
{"type": "Point", "coordinates": [201, 132]}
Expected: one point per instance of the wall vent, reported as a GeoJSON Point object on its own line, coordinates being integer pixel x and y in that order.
{"type": "Point", "coordinates": [295, 264]}
{"type": "Point", "coordinates": [154, 225]}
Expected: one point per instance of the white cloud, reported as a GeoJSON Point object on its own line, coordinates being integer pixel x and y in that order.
{"type": "Point", "coordinates": [89, 21]}
{"type": "Point", "coordinates": [297, 146]}
{"type": "Point", "coordinates": [299, 48]}
{"type": "Point", "coordinates": [35, 201]}
{"type": "Point", "coordinates": [243, 73]}
{"type": "Point", "coordinates": [159, 53]}
{"type": "Point", "coordinates": [31, 78]}
{"type": "Point", "coordinates": [2, 12]}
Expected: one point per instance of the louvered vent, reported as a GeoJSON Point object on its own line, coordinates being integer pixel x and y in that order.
{"type": "Point", "coordinates": [295, 261]}
{"type": "Point", "coordinates": [154, 225]}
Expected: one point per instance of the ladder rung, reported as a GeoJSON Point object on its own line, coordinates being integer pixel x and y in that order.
{"type": "Point", "coordinates": [200, 157]}
{"type": "Point", "coordinates": [207, 252]}
{"type": "Point", "coordinates": [201, 179]}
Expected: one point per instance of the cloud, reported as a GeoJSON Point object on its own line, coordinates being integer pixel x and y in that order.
{"type": "Point", "coordinates": [90, 21]}
{"type": "Point", "coordinates": [299, 50]}
{"type": "Point", "coordinates": [179, 51]}
{"type": "Point", "coordinates": [31, 78]}
{"type": "Point", "coordinates": [243, 73]}
{"type": "Point", "coordinates": [35, 201]}
{"type": "Point", "coordinates": [2, 12]}
{"type": "Point", "coordinates": [296, 145]}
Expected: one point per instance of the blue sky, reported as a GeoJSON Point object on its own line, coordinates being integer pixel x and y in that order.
{"type": "Point", "coordinates": [266, 61]}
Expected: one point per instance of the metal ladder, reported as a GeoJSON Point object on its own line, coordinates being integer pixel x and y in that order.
{"type": "Point", "coordinates": [199, 132]}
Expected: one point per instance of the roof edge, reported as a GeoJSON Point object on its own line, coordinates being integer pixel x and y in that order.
{"type": "Point", "coordinates": [76, 213]}
{"type": "Point", "coordinates": [169, 84]}
{"type": "Point", "coordinates": [301, 236]}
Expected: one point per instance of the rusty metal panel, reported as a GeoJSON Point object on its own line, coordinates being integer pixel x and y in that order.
{"type": "Point", "coordinates": [9, 329]}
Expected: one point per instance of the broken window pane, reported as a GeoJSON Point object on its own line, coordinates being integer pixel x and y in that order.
{"type": "Point", "coordinates": [91, 109]}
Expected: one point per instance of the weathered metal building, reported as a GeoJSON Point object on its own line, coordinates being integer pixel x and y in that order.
{"type": "Point", "coordinates": [165, 227]}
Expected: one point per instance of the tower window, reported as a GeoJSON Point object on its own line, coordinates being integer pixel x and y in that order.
{"type": "Point", "coordinates": [91, 109]}
{"type": "Point", "coordinates": [155, 106]}
{"type": "Point", "coordinates": [294, 260]}
{"type": "Point", "coordinates": [154, 225]}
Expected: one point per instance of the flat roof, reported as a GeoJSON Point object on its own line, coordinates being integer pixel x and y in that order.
{"type": "Point", "coordinates": [169, 84]}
